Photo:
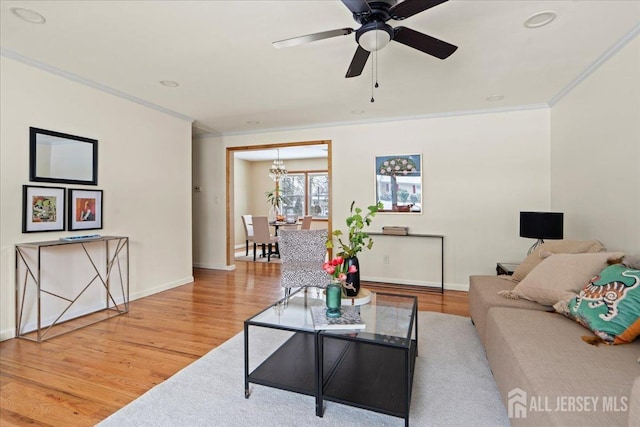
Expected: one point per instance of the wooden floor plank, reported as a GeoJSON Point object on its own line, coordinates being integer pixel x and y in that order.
{"type": "Point", "coordinates": [82, 377]}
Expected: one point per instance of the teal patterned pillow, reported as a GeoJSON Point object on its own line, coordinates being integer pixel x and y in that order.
{"type": "Point", "coordinates": [609, 305]}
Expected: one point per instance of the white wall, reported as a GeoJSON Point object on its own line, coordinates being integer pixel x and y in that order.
{"type": "Point", "coordinates": [595, 169]}
{"type": "Point", "coordinates": [242, 199]}
{"type": "Point", "coordinates": [144, 170]}
{"type": "Point", "coordinates": [479, 172]}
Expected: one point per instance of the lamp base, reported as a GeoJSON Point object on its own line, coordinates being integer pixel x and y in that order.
{"type": "Point", "coordinates": [535, 245]}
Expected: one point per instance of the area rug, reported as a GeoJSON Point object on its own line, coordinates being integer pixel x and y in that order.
{"type": "Point", "coordinates": [239, 256]}
{"type": "Point", "coordinates": [453, 386]}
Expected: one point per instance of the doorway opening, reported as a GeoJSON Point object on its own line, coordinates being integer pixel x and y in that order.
{"type": "Point", "coordinates": [249, 191]}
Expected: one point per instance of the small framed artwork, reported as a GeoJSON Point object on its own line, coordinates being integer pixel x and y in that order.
{"type": "Point", "coordinates": [399, 183]}
{"type": "Point", "coordinates": [85, 209]}
{"type": "Point", "coordinates": [42, 209]}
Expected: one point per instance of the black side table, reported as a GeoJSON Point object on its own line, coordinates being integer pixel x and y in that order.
{"type": "Point", "coordinates": [506, 268]}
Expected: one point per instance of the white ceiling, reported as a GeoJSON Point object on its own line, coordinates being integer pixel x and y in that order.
{"type": "Point", "coordinates": [230, 75]}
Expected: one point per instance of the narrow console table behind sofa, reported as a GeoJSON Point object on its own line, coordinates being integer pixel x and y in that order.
{"type": "Point", "coordinates": [102, 264]}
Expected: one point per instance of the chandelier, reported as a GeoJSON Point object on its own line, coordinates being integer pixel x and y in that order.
{"type": "Point", "coordinates": [277, 169]}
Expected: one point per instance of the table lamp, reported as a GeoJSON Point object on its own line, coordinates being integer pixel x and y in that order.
{"type": "Point", "coordinates": [541, 225]}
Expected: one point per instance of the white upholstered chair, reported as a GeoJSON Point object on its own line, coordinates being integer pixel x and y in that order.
{"type": "Point", "coordinates": [247, 221]}
{"type": "Point", "coordinates": [306, 223]}
{"type": "Point", "coordinates": [262, 236]}
{"type": "Point", "coordinates": [302, 253]}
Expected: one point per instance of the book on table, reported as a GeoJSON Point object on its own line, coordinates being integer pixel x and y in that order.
{"type": "Point", "coordinates": [350, 318]}
{"type": "Point", "coordinates": [395, 230]}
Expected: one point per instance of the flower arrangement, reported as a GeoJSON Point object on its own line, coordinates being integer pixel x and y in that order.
{"type": "Point", "coordinates": [337, 269]}
{"type": "Point", "coordinates": [357, 239]}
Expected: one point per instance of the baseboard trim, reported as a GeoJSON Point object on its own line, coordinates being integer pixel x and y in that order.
{"type": "Point", "coordinates": [137, 295]}
{"type": "Point", "coordinates": [11, 333]}
{"type": "Point", "coordinates": [214, 266]}
{"type": "Point", "coordinates": [418, 283]}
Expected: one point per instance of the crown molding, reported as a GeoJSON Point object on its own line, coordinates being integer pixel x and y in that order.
{"type": "Point", "coordinates": [391, 119]}
{"type": "Point", "coordinates": [75, 78]}
{"type": "Point", "coordinates": [596, 64]}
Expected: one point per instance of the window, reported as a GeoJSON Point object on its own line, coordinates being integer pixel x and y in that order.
{"type": "Point", "coordinates": [305, 193]}
{"type": "Point", "coordinates": [318, 205]}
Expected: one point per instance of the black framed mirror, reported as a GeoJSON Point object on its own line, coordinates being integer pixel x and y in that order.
{"type": "Point", "coordinates": [62, 158]}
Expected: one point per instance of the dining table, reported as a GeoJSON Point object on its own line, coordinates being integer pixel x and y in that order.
{"type": "Point", "coordinates": [277, 224]}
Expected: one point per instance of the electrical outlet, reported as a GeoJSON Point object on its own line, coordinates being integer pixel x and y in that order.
{"type": "Point", "coordinates": [385, 259]}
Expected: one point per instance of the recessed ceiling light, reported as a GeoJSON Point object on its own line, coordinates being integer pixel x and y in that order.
{"type": "Point", "coordinates": [357, 111]}
{"type": "Point", "coordinates": [169, 83]}
{"type": "Point", "coordinates": [28, 15]}
{"type": "Point", "coordinates": [540, 19]}
{"type": "Point", "coordinates": [253, 122]}
{"type": "Point", "coordinates": [494, 98]}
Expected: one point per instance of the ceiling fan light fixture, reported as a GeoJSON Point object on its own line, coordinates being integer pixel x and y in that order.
{"type": "Point", "coordinates": [374, 36]}
{"type": "Point", "coordinates": [374, 40]}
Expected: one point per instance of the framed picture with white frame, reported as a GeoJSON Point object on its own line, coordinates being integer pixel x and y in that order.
{"type": "Point", "coordinates": [42, 208]}
{"type": "Point", "coordinates": [399, 183]}
{"type": "Point", "coordinates": [85, 209]}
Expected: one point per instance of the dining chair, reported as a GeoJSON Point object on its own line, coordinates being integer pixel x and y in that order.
{"type": "Point", "coordinates": [247, 221]}
{"type": "Point", "coordinates": [306, 223]}
{"type": "Point", "coordinates": [261, 236]}
{"type": "Point", "coordinates": [302, 253]}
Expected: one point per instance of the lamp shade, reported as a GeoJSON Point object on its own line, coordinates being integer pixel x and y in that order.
{"type": "Point", "coordinates": [541, 225]}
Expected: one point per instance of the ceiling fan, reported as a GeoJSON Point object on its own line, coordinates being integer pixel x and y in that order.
{"type": "Point", "coordinates": [374, 32]}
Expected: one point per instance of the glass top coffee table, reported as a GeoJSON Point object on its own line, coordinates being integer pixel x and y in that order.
{"type": "Point", "coordinates": [371, 368]}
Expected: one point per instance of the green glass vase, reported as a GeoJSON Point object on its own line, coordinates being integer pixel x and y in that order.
{"type": "Point", "coordinates": [334, 300]}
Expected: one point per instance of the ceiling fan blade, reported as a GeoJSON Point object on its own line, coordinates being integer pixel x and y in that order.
{"type": "Point", "coordinates": [423, 42]}
{"type": "Point", "coordinates": [412, 7]}
{"type": "Point", "coordinates": [358, 62]}
{"type": "Point", "coordinates": [295, 41]}
{"type": "Point", "coordinates": [357, 6]}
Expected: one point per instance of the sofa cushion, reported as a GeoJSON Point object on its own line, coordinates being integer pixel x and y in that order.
{"type": "Point", "coordinates": [609, 305]}
{"type": "Point", "coordinates": [634, 406]}
{"type": "Point", "coordinates": [560, 276]}
{"type": "Point", "coordinates": [483, 294]}
{"type": "Point", "coordinates": [556, 247]}
{"type": "Point", "coordinates": [632, 261]}
{"type": "Point", "coordinates": [542, 355]}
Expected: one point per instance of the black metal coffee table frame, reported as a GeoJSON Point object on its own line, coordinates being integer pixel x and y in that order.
{"type": "Point", "coordinates": [370, 369]}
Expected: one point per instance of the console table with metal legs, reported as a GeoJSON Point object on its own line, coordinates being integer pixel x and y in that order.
{"type": "Point", "coordinates": [109, 274]}
{"type": "Point", "coordinates": [429, 236]}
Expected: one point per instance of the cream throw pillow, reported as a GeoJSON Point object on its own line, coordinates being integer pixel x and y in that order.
{"type": "Point", "coordinates": [556, 247]}
{"type": "Point", "coordinates": [560, 276]}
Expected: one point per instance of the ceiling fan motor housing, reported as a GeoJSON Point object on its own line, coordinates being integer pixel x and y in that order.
{"type": "Point", "coordinates": [379, 11]}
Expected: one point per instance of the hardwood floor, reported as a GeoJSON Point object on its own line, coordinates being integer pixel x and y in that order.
{"type": "Point", "coordinates": [78, 379]}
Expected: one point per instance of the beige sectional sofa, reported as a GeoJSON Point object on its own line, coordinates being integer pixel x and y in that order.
{"type": "Point", "coordinates": [547, 375]}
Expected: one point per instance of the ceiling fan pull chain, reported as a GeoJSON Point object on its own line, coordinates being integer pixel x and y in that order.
{"type": "Point", "coordinates": [376, 58]}
{"type": "Point", "coordinates": [372, 78]}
